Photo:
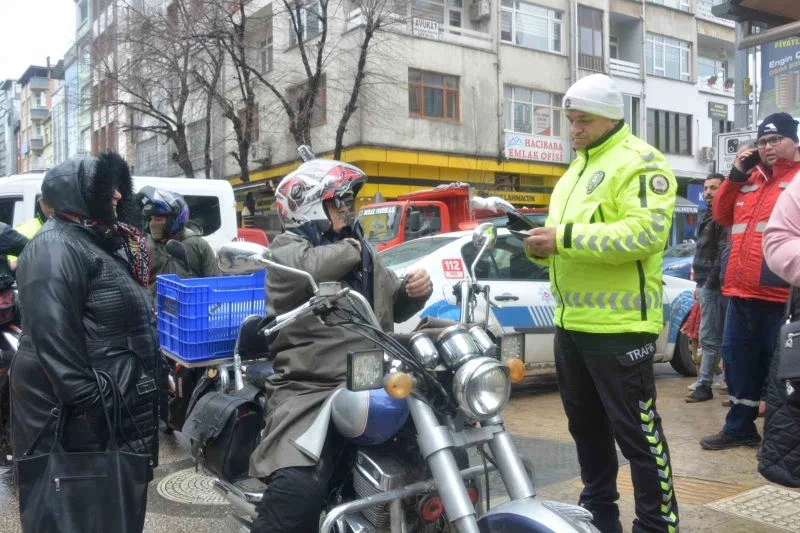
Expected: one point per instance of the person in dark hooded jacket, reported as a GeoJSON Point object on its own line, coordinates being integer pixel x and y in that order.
{"type": "Point", "coordinates": [82, 284]}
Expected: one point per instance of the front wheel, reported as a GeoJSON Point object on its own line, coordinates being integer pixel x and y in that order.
{"type": "Point", "coordinates": [682, 360]}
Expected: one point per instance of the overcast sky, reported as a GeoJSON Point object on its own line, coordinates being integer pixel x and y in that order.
{"type": "Point", "coordinates": [31, 30]}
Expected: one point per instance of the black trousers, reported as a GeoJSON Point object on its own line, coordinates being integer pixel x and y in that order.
{"type": "Point", "coordinates": [296, 496]}
{"type": "Point", "coordinates": [608, 390]}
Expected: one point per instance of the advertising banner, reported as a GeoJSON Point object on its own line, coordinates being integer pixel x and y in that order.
{"type": "Point", "coordinates": [536, 148]}
{"type": "Point", "coordinates": [780, 77]}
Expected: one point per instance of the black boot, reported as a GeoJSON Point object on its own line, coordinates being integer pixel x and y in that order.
{"type": "Point", "coordinates": [701, 394]}
{"type": "Point", "coordinates": [605, 517]}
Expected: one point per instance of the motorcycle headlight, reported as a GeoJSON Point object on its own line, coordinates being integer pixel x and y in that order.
{"type": "Point", "coordinates": [456, 346]}
{"type": "Point", "coordinates": [481, 387]}
{"type": "Point", "coordinates": [423, 348]}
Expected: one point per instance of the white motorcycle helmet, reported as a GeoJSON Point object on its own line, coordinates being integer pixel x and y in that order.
{"type": "Point", "coordinates": [299, 195]}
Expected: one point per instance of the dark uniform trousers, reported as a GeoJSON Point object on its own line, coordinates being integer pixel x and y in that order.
{"type": "Point", "coordinates": [608, 390]}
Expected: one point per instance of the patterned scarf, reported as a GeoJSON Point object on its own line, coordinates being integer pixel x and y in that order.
{"type": "Point", "coordinates": [133, 243]}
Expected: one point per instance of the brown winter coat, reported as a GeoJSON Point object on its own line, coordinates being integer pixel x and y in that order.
{"type": "Point", "coordinates": [311, 360]}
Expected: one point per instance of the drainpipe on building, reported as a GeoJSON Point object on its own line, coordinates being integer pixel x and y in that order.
{"type": "Point", "coordinates": [501, 140]}
{"type": "Point", "coordinates": [741, 105]}
{"type": "Point", "coordinates": [643, 66]}
{"type": "Point", "coordinates": [573, 42]}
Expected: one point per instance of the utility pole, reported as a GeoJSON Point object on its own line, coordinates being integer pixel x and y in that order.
{"type": "Point", "coordinates": [741, 106]}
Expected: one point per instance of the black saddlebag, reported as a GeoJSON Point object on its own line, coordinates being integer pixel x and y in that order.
{"type": "Point", "coordinates": [224, 430]}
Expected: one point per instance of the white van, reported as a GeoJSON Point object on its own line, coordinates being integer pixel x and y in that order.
{"type": "Point", "coordinates": [211, 202]}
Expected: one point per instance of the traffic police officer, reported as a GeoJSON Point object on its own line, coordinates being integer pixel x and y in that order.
{"type": "Point", "coordinates": [608, 223]}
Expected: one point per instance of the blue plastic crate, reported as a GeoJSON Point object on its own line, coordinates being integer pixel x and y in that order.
{"type": "Point", "coordinates": [199, 318]}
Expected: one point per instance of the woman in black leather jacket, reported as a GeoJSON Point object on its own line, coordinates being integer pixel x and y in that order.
{"type": "Point", "coordinates": [82, 285]}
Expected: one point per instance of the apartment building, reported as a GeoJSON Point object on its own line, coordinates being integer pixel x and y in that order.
{"type": "Point", "coordinates": [470, 90]}
{"type": "Point", "coordinates": [9, 122]}
{"type": "Point", "coordinates": [37, 85]}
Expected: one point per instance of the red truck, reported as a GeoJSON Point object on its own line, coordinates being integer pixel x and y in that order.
{"type": "Point", "coordinates": [416, 214]}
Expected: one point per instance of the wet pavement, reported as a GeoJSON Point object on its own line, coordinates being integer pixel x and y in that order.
{"type": "Point", "coordinates": [716, 491]}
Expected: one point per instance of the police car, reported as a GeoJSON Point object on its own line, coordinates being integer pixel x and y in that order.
{"type": "Point", "coordinates": [521, 302]}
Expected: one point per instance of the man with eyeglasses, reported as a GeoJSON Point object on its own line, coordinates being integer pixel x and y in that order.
{"type": "Point", "coordinates": [756, 295]}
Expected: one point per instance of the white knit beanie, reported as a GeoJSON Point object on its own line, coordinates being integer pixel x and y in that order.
{"type": "Point", "coordinates": [596, 94]}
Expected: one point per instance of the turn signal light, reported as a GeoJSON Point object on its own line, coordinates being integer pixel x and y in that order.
{"type": "Point", "coordinates": [212, 373]}
{"type": "Point", "coordinates": [399, 385]}
{"type": "Point", "coordinates": [516, 369]}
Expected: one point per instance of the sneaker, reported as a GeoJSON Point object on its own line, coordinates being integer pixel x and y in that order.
{"type": "Point", "coordinates": [701, 394]}
{"type": "Point", "coordinates": [723, 441]}
{"type": "Point", "coordinates": [719, 382]}
{"type": "Point", "coordinates": [694, 385]}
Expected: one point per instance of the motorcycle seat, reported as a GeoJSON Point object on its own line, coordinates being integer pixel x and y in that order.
{"type": "Point", "coordinates": [258, 373]}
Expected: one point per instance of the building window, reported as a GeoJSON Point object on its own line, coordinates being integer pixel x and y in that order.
{"type": "Point", "coordinates": [683, 5]}
{"type": "Point", "coordinates": [632, 112]}
{"type": "Point", "coordinates": [448, 12]}
{"type": "Point", "coordinates": [613, 47]}
{"type": "Point", "coordinates": [590, 28]}
{"type": "Point", "coordinates": [83, 11]}
{"type": "Point", "coordinates": [530, 111]}
{"type": "Point", "coordinates": [432, 95]}
{"type": "Point", "coordinates": [308, 19]}
{"type": "Point", "coordinates": [670, 132]}
{"type": "Point", "coordinates": [266, 54]}
{"type": "Point", "coordinates": [295, 95]}
{"type": "Point", "coordinates": [668, 57]}
{"type": "Point", "coordinates": [530, 25]}
{"type": "Point", "coordinates": [720, 126]}
{"type": "Point", "coordinates": [711, 68]}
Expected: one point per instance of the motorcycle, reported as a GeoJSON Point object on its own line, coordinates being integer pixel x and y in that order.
{"type": "Point", "coordinates": [448, 381]}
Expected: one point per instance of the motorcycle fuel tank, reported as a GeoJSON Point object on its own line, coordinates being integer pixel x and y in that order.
{"type": "Point", "coordinates": [368, 417]}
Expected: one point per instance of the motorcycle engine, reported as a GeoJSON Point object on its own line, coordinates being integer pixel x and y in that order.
{"type": "Point", "coordinates": [375, 473]}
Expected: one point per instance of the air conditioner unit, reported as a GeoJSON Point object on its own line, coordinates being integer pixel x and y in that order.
{"type": "Point", "coordinates": [480, 10]}
{"type": "Point", "coordinates": [708, 154]}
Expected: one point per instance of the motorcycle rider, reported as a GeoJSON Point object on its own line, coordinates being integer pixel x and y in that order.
{"type": "Point", "coordinates": [166, 214]}
{"type": "Point", "coordinates": [315, 203]}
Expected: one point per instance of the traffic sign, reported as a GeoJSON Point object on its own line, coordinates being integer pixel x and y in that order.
{"type": "Point", "coordinates": [727, 144]}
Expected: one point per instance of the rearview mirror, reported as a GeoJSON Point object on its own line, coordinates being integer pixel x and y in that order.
{"type": "Point", "coordinates": [484, 235]}
{"type": "Point", "coordinates": [242, 257]}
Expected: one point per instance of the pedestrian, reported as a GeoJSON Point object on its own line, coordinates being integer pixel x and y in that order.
{"type": "Point", "coordinates": [84, 304]}
{"type": "Point", "coordinates": [711, 241]}
{"type": "Point", "coordinates": [756, 296]}
{"type": "Point", "coordinates": [779, 457]}
{"type": "Point", "coordinates": [320, 237]}
{"type": "Point", "coordinates": [607, 227]}
{"type": "Point", "coordinates": [166, 216]}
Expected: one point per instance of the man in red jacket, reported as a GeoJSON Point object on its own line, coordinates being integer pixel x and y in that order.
{"type": "Point", "coordinates": [756, 295]}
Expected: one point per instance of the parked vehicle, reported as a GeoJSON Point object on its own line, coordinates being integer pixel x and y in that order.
{"type": "Point", "coordinates": [408, 480]}
{"type": "Point", "coordinates": [521, 301]}
{"type": "Point", "coordinates": [446, 208]}
{"type": "Point", "coordinates": [678, 260]}
{"type": "Point", "coordinates": [211, 202]}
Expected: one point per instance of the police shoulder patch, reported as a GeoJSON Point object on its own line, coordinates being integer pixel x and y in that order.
{"type": "Point", "coordinates": [659, 184]}
{"type": "Point", "coordinates": [595, 181]}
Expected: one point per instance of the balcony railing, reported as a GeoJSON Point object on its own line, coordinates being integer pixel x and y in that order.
{"type": "Point", "coordinates": [39, 113]}
{"type": "Point", "coordinates": [720, 86]}
{"type": "Point", "coordinates": [37, 143]}
{"type": "Point", "coordinates": [704, 12]}
{"type": "Point", "coordinates": [590, 62]}
{"type": "Point", "coordinates": [625, 69]}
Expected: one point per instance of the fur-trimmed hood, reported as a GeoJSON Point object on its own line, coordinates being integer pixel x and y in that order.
{"type": "Point", "coordinates": [84, 186]}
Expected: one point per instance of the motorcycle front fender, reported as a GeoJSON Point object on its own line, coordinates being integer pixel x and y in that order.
{"type": "Point", "coordinates": [531, 515]}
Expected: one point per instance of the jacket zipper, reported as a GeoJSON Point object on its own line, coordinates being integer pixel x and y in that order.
{"type": "Point", "coordinates": [643, 305]}
{"type": "Point", "coordinates": [58, 480]}
{"type": "Point", "coordinates": [555, 273]}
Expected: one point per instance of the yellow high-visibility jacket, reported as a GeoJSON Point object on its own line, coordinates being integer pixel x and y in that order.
{"type": "Point", "coordinates": [29, 229]}
{"type": "Point", "coordinates": [612, 211]}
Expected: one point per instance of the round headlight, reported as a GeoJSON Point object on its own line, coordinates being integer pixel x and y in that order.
{"type": "Point", "coordinates": [481, 387]}
{"type": "Point", "coordinates": [456, 346]}
{"type": "Point", "coordinates": [425, 351]}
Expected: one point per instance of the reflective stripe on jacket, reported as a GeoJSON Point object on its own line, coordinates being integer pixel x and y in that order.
{"type": "Point", "coordinates": [612, 211]}
{"type": "Point", "coordinates": [746, 206]}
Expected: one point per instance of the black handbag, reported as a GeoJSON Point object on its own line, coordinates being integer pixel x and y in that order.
{"type": "Point", "coordinates": [86, 492]}
{"type": "Point", "coordinates": [789, 345]}
{"type": "Point", "coordinates": [224, 430]}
